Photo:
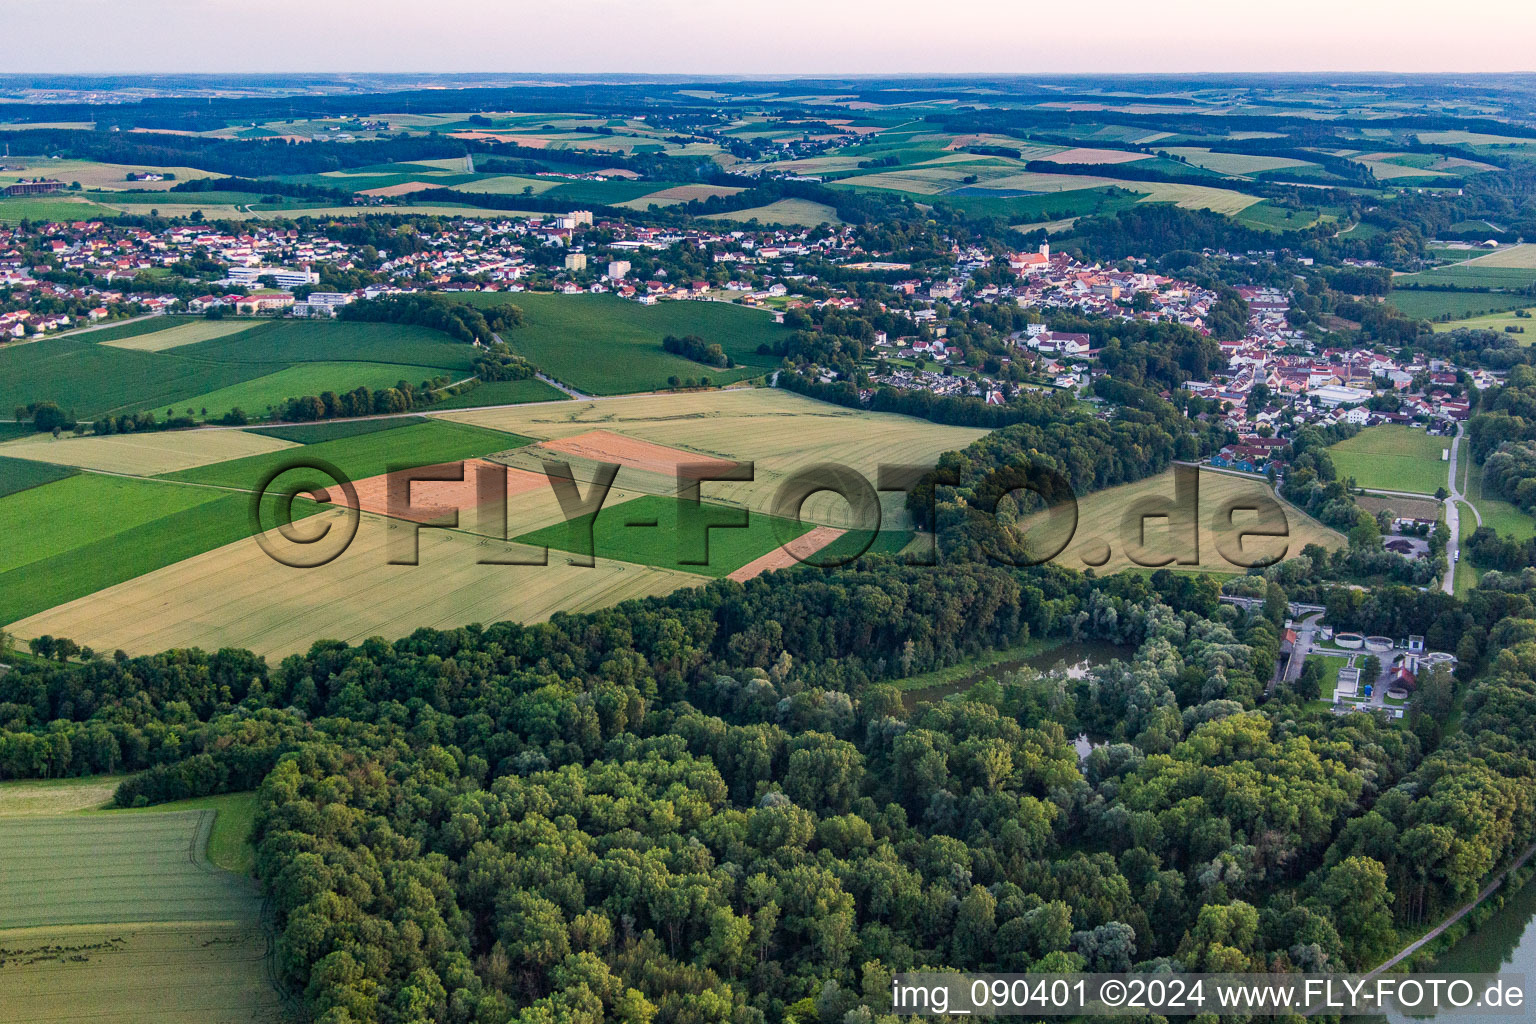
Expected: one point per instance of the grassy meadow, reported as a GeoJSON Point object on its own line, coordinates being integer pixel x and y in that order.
{"type": "Point", "coordinates": [603, 345]}
{"type": "Point", "coordinates": [1391, 457]}
{"type": "Point", "coordinates": [90, 375]}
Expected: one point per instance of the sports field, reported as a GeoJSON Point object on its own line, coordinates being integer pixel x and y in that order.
{"type": "Point", "coordinates": [1101, 541]}
{"type": "Point", "coordinates": [120, 917]}
{"type": "Point", "coordinates": [603, 345]}
{"type": "Point", "coordinates": [144, 454]}
{"type": "Point", "coordinates": [1393, 458]}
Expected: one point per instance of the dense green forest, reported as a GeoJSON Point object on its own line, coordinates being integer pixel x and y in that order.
{"type": "Point", "coordinates": [715, 806]}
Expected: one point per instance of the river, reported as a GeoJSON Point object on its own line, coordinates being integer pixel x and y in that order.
{"type": "Point", "coordinates": [1506, 943]}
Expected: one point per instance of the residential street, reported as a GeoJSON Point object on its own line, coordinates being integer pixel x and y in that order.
{"type": "Point", "coordinates": [1453, 516]}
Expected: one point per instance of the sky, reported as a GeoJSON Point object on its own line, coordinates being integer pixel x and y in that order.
{"type": "Point", "coordinates": [784, 37]}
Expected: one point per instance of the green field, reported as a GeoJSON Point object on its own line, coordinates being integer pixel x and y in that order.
{"type": "Point", "coordinates": [102, 869]}
{"type": "Point", "coordinates": [503, 392]}
{"type": "Point", "coordinates": [1393, 458]}
{"type": "Point", "coordinates": [14, 211]}
{"type": "Point", "coordinates": [333, 430]}
{"type": "Point", "coordinates": [886, 542]}
{"type": "Point", "coordinates": [305, 341]}
{"type": "Point", "coordinates": [1497, 322]}
{"type": "Point", "coordinates": [1472, 275]}
{"type": "Point", "coordinates": [259, 396]}
{"type": "Point", "coordinates": [1268, 216]}
{"type": "Point", "coordinates": [229, 841]}
{"type": "Point", "coordinates": [119, 916]}
{"type": "Point", "coordinates": [604, 345]}
{"type": "Point", "coordinates": [365, 455]}
{"type": "Point", "coordinates": [88, 379]}
{"type": "Point", "coordinates": [21, 474]}
{"type": "Point", "coordinates": [105, 553]}
{"type": "Point", "coordinates": [618, 533]}
{"type": "Point", "coordinates": [1502, 516]}
{"type": "Point", "coordinates": [1433, 305]}
{"type": "Point", "coordinates": [42, 522]}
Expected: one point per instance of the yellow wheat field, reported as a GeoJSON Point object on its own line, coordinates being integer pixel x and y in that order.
{"type": "Point", "coordinates": [237, 596]}
{"type": "Point", "coordinates": [185, 334]}
{"type": "Point", "coordinates": [145, 454]}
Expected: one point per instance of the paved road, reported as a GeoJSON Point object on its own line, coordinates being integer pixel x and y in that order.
{"type": "Point", "coordinates": [1306, 631]}
{"type": "Point", "coordinates": [1453, 516]}
{"type": "Point", "coordinates": [565, 388]}
{"type": "Point", "coordinates": [1457, 916]}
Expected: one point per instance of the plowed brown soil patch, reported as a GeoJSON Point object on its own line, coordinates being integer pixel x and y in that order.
{"type": "Point", "coordinates": [797, 550]}
{"type": "Point", "coordinates": [431, 498]}
{"type": "Point", "coordinates": [606, 446]}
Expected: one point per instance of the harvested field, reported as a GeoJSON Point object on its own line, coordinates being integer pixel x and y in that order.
{"type": "Point", "coordinates": [1193, 197]}
{"type": "Point", "coordinates": [1095, 156]}
{"type": "Point", "coordinates": [105, 869]}
{"type": "Point", "coordinates": [508, 185]}
{"type": "Point", "coordinates": [237, 596]}
{"type": "Point", "coordinates": [781, 433]}
{"type": "Point", "coordinates": [138, 974]}
{"type": "Point", "coordinates": [149, 454]}
{"type": "Point", "coordinates": [1100, 526]}
{"type": "Point", "coordinates": [1522, 257]}
{"type": "Point", "coordinates": [607, 446]}
{"type": "Point", "coordinates": [56, 796]}
{"type": "Point", "coordinates": [404, 188]}
{"type": "Point", "coordinates": [793, 553]}
{"type": "Point", "coordinates": [1236, 163]}
{"type": "Point", "coordinates": [792, 212]}
{"type": "Point", "coordinates": [181, 334]}
{"type": "Point", "coordinates": [1421, 508]}
{"type": "Point", "coordinates": [119, 917]}
{"type": "Point", "coordinates": [679, 194]}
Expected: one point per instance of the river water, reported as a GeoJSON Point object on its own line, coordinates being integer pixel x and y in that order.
{"type": "Point", "coordinates": [1505, 944]}
{"type": "Point", "coordinates": [1075, 659]}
